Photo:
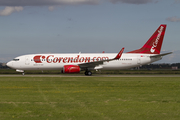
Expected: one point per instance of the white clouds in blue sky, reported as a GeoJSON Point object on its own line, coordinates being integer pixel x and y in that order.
{"type": "Point", "coordinates": [43, 26]}
{"type": "Point", "coordinates": [132, 1]}
{"type": "Point", "coordinates": [173, 19]}
{"type": "Point", "coordinates": [9, 10]}
{"type": "Point", "coordinates": [46, 2]}
{"type": "Point", "coordinates": [14, 5]}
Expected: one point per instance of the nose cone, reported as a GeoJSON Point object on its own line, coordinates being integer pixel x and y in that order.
{"type": "Point", "coordinates": [9, 64]}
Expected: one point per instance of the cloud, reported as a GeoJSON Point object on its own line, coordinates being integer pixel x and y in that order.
{"type": "Point", "coordinates": [66, 2]}
{"type": "Point", "coordinates": [177, 1]}
{"type": "Point", "coordinates": [132, 1]}
{"type": "Point", "coordinates": [51, 8]}
{"type": "Point", "coordinates": [45, 2]}
{"type": "Point", "coordinates": [11, 5]}
{"type": "Point", "coordinates": [9, 10]}
{"type": "Point", "coordinates": [174, 57]}
{"type": "Point", "coordinates": [173, 19]}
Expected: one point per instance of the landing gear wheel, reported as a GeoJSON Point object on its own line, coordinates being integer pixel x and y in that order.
{"type": "Point", "coordinates": [89, 73]}
{"type": "Point", "coordinates": [23, 73]}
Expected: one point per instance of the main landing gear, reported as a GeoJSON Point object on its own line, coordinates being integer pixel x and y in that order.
{"type": "Point", "coordinates": [89, 73]}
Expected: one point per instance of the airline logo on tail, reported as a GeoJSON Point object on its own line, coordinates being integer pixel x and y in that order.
{"type": "Point", "coordinates": [155, 43]}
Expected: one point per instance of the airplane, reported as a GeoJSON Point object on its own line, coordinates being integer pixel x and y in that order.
{"type": "Point", "coordinates": [76, 62]}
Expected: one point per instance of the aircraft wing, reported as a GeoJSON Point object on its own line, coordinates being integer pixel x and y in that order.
{"type": "Point", "coordinates": [160, 55]}
{"type": "Point", "coordinates": [96, 63]}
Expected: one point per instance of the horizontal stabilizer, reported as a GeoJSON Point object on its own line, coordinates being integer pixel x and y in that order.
{"type": "Point", "coordinates": [160, 55]}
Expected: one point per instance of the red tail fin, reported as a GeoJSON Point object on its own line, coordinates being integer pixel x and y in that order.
{"type": "Point", "coordinates": [153, 45]}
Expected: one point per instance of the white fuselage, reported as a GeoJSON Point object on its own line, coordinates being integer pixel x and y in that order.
{"type": "Point", "coordinates": [57, 61]}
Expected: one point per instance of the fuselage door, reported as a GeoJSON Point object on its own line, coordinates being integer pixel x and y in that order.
{"type": "Point", "coordinates": [138, 60]}
{"type": "Point", "coordinates": [27, 62]}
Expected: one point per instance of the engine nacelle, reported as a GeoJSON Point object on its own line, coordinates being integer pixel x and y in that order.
{"type": "Point", "coordinates": [71, 69]}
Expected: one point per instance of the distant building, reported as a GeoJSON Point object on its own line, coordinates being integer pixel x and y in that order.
{"type": "Point", "coordinates": [174, 67]}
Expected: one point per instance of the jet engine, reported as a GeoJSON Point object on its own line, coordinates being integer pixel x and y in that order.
{"type": "Point", "coordinates": [71, 69]}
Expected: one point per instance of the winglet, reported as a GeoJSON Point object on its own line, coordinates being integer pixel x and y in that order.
{"type": "Point", "coordinates": [119, 54]}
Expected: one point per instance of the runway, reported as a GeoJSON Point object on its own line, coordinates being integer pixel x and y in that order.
{"type": "Point", "coordinates": [71, 75]}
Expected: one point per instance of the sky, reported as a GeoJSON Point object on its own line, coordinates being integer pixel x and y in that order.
{"type": "Point", "coordinates": [86, 26]}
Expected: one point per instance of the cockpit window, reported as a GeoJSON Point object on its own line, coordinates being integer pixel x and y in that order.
{"type": "Point", "coordinates": [15, 59]}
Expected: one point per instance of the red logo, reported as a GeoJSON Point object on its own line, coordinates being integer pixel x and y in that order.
{"type": "Point", "coordinates": [38, 58]}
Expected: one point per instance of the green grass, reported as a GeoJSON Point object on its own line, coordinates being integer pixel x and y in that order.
{"type": "Point", "coordinates": [158, 71]}
{"type": "Point", "coordinates": [90, 98]}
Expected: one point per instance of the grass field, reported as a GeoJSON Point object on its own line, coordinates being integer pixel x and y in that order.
{"type": "Point", "coordinates": [150, 72]}
{"type": "Point", "coordinates": [89, 98]}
